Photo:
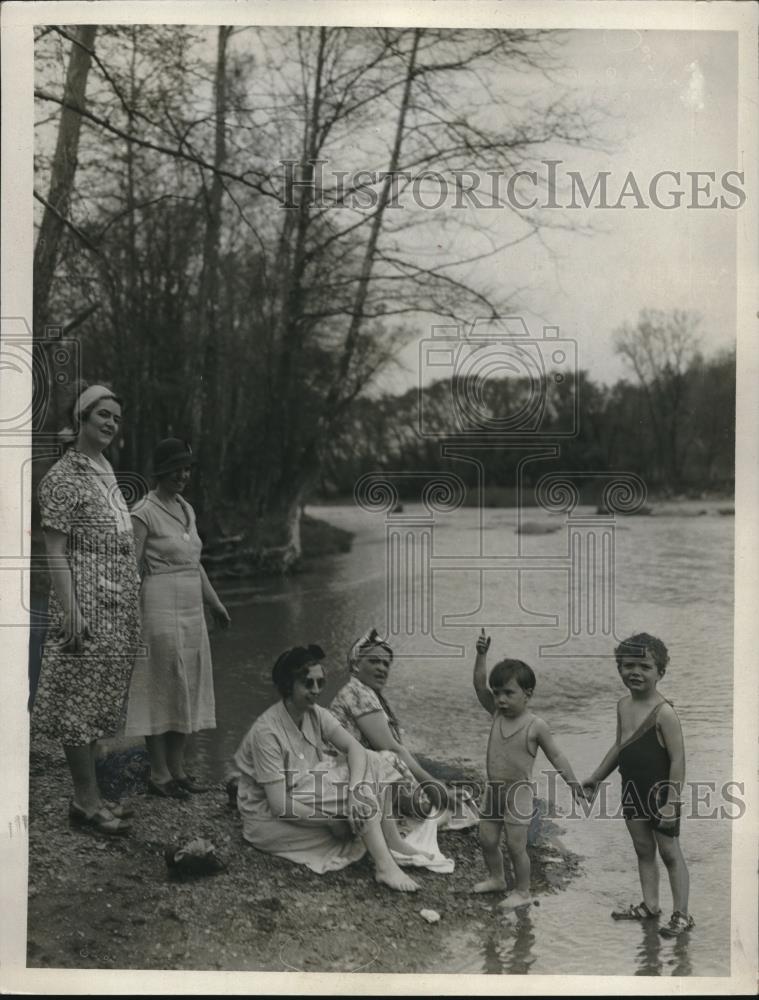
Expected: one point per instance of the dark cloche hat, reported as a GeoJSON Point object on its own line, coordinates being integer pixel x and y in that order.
{"type": "Point", "coordinates": [171, 454]}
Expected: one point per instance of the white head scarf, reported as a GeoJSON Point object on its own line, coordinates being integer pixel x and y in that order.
{"type": "Point", "coordinates": [90, 395]}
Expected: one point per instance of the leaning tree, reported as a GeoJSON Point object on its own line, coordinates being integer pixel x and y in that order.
{"type": "Point", "coordinates": [250, 311]}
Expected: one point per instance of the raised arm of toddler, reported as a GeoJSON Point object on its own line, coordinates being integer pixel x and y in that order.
{"type": "Point", "coordinates": [480, 678]}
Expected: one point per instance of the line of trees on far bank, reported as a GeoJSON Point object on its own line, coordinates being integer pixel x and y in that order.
{"type": "Point", "coordinates": [672, 423]}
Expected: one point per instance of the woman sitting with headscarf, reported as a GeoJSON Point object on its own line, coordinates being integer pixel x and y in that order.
{"type": "Point", "coordinates": [362, 710]}
{"type": "Point", "coordinates": [300, 802]}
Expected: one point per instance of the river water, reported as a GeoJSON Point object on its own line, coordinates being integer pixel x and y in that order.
{"type": "Point", "coordinates": [672, 576]}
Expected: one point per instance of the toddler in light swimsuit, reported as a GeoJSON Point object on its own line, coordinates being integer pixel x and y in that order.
{"type": "Point", "coordinates": [650, 755]}
{"type": "Point", "coordinates": [515, 737]}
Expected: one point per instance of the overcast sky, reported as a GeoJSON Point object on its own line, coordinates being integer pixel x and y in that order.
{"type": "Point", "coordinates": [671, 103]}
{"type": "Point", "coordinates": [672, 98]}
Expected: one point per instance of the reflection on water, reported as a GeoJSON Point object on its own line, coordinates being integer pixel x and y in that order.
{"type": "Point", "coordinates": [649, 951]}
{"type": "Point", "coordinates": [651, 961]}
{"type": "Point", "coordinates": [672, 577]}
{"type": "Point", "coordinates": [508, 949]}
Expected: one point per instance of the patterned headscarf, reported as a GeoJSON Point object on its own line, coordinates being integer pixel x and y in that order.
{"type": "Point", "coordinates": [369, 639]}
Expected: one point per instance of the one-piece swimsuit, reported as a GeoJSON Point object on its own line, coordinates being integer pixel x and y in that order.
{"type": "Point", "coordinates": [509, 794]}
{"type": "Point", "coordinates": [644, 765]}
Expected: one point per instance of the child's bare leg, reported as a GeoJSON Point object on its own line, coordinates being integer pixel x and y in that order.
{"type": "Point", "coordinates": [490, 841]}
{"type": "Point", "coordinates": [516, 844]}
{"type": "Point", "coordinates": [645, 848]}
{"type": "Point", "coordinates": [677, 870]}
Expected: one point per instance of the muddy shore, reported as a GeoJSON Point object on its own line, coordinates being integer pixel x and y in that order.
{"type": "Point", "coordinates": [111, 903]}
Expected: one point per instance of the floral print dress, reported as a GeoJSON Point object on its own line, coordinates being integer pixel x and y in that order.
{"type": "Point", "coordinates": [81, 696]}
{"type": "Point", "coordinates": [355, 699]}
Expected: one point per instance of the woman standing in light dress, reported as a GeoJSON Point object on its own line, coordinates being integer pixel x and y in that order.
{"type": "Point", "coordinates": [94, 625]}
{"type": "Point", "coordinates": [171, 694]}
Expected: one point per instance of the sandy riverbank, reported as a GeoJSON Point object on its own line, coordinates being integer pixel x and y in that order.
{"type": "Point", "coordinates": [110, 903]}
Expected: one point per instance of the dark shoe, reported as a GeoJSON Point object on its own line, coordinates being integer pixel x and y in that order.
{"type": "Point", "coordinates": [167, 790]}
{"type": "Point", "coordinates": [677, 925]}
{"type": "Point", "coordinates": [191, 784]}
{"type": "Point", "coordinates": [103, 821]}
{"type": "Point", "coordinates": [636, 911]}
{"type": "Point", "coordinates": [119, 811]}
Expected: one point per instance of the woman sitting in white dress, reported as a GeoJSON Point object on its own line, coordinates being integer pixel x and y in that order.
{"type": "Point", "coordinates": [299, 801]}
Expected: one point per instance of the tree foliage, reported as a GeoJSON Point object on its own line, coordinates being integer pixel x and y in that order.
{"type": "Point", "coordinates": [616, 432]}
{"type": "Point", "coordinates": [220, 277]}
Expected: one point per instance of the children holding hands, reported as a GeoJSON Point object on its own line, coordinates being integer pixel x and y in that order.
{"type": "Point", "coordinates": [648, 750]}
{"type": "Point", "coordinates": [515, 737]}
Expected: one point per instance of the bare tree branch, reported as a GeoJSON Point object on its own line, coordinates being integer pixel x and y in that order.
{"type": "Point", "coordinates": [158, 147]}
{"type": "Point", "coordinates": [67, 222]}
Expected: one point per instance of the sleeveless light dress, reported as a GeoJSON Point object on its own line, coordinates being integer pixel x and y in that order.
{"type": "Point", "coordinates": [172, 682]}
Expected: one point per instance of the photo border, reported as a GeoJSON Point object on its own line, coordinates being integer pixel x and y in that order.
{"type": "Point", "coordinates": [16, 297]}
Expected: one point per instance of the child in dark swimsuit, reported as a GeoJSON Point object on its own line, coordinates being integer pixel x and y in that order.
{"type": "Point", "coordinates": [515, 737]}
{"type": "Point", "coordinates": [650, 755]}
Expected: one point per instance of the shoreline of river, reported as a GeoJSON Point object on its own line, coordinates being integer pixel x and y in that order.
{"type": "Point", "coordinates": [96, 902]}
{"type": "Point", "coordinates": [510, 498]}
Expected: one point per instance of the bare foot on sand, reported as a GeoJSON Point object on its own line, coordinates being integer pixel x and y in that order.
{"type": "Point", "coordinates": [396, 879]}
{"type": "Point", "coordinates": [490, 885]}
{"type": "Point", "coordinates": [514, 900]}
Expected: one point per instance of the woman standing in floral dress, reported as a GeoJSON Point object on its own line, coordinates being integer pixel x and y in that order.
{"type": "Point", "coordinates": [93, 610]}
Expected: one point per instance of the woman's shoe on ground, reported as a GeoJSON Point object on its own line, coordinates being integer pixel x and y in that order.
{"type": "Point", "coordinates": [119, 811]}
{"type": "Point", "coordinates": [103, 821]}
{"type": "Point", "coordinates": [191, 784]}
{"type": "Point", "coordinates": [167, 789]}
{"type": "Point", "coordinates": [678, 924]}
{"type": "Point", "coordinates": [636, 911]}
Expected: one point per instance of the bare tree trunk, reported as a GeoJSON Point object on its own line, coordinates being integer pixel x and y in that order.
{"type": "Point", "coordinates": [370, 253]}
{"type": "Point", "coordinates": [206, 423]}
{"type": "Point", "coordinates": [293, 325]}
{"type": "Point", "coordinates": [278, 495]}
{"type": "Point", "coordinates": [300, 463]}
{"type": "Point", "coordinates": [357, 317]}
{"type": "Point", "coordinates": [127, 366]}
{"type": "Point", "coordinates": [62, 174]}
